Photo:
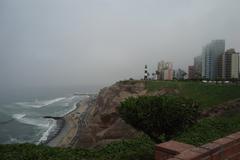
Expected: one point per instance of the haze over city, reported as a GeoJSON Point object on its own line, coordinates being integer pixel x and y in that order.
{"type": "Point", "coordinates": [62, 43]}
{"type": "Point", "coordinates": [119, 79]}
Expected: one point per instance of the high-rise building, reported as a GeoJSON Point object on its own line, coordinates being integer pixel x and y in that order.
{"type": "Point", "coordinates": [198, 67]}
{"type": "Point", "coordinates": [228, 65]}
{"type": "Point", "coordinates": [180, 74]}
{"type": "Point", "coordinates": [235, 66]}
{"type": "Point", "coordinates": [165, 71]}
{"type": "Point", "coordinates": [210, 55]}
{"type": "Point", "coordinates": [191, 72]}
{"type": "Point", "coordinates": [195, 71]}
{"type": "Point", "coordinates": [220, 67]}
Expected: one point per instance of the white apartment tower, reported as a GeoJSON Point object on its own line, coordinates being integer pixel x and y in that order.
{"type": "Point", "coordinates": [210, 56]}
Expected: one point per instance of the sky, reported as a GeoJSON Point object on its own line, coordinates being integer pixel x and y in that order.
{"type": "Point", "coordinates": [98, 42]}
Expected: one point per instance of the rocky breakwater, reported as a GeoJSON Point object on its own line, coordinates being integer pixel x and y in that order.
{"type": "Point", "coordinates": [103, 124]}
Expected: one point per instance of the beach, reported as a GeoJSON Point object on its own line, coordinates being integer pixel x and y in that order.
{"type": "Point", "coordinates": [68, 126]}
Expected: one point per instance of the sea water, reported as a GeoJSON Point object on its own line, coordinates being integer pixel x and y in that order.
{"type": "Point", "coordinates": [21, 115]}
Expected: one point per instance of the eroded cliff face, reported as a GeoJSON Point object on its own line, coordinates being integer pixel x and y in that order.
{"type": "Point", "coordinates": [103, 122]}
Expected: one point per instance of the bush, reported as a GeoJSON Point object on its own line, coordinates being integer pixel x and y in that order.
{"type": "Point", "coordinates": [139, 148]}
{"type": "Point", "coordinates": [162, 117]}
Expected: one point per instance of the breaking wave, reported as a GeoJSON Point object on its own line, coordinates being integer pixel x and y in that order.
{"type": "Point", "coordinates": [39, 104]}
{"type": "Point", "coordinates": [70, 110]}
{"type": "Point", "coordinates": [18, 116]}
{"type": "Point", "coordinates": [30, 121]}
{"type": "Point", "coordinates": [52, 126]}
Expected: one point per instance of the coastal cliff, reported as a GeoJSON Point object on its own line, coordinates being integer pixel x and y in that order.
{"type": "Point", "coordinates": [96, 122]}
{"type": "Point", "coordinates": [103, 124]}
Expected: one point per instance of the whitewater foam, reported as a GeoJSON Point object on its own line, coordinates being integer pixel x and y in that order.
{"type": "Point", "coordinates": [52, 125]}
{"type": "Point", "coordinates": [49, 126]}
{"type": "Point", "coordinates": [30, 121]}
{"type": "Point", "coordinates": [69, 111]}
{"type": "Point", "coordinates": [39, 104]}
{"type": "Point", "coordinates": [71, 98]}
{"type": "Point", "coordinates": [18, 116]}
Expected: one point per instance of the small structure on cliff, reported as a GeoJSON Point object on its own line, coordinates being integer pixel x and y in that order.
{"type": "Point", "coordinates": [146, 73]}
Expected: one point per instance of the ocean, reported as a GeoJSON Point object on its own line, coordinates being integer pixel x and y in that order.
{"type": "Point", "coordinates": [22, 112]}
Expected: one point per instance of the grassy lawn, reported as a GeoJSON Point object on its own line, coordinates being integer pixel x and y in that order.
{"type": "Point", "coordinates": [209, 129]}
{"type": "Point", "coordinates": [207, 95]}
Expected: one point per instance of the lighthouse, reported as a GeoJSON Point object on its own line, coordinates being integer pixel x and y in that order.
{"type": "Point", "coordinates": [145, 73]}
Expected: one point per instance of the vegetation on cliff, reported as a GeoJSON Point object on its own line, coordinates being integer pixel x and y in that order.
{"type": "Point", "coordinates": [203, 131]}
{"type": "Point", "coordinates": [140, 148]}
{"type": "Point", "coordinates": [159, 116]}
{"type": "Point", "coordinates": [211, 128]}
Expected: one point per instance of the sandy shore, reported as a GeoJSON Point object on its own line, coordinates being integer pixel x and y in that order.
{"type": "Point", "coordinates": [70, 126]}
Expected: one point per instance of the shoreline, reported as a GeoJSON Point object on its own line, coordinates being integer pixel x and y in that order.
{"type": "Point", "coordinates": [67, 126]}
{"type": "Point", "coordinates": [60, 122]}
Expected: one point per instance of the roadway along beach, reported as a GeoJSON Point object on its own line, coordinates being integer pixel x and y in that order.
{"type": "Point", "coordinates": [70, 126]}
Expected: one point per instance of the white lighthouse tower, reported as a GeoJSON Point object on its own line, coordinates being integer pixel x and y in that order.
{"type": "Point", "coordinates": [145, 73]}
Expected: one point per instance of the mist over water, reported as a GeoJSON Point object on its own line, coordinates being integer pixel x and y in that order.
{"type": "Point", "coordinates": [50, 49]}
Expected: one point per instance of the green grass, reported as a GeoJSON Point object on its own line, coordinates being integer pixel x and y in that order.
{"type": "Point", "coordinates": [207, 95]}
{"type": "Point", "coordinates": [156, 85]}
{"type": "Point", "coordinates": [140, 148]}
{"type": "Point", "coordinates": [209, 129]}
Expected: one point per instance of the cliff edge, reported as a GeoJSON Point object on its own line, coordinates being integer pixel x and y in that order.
{"type": "Point", "coordinates": [103, 124]}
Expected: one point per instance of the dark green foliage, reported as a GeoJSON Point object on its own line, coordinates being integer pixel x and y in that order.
{"type": "Point", "coordinates": [136, 149]}
{"type": "Point", "coordinates": [129, 82]}
{"type": "Point", "coordinates": [33, 152]}
{"type": "Point", "coordinates": [140, 148]}
{"type": "Point", "coordinates": [159, 116]}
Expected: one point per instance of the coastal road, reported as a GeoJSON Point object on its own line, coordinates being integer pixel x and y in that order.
{"type": "Point", "coordinates": [71, 125]}
{"type": "Point", "coordinates": [82, 123]}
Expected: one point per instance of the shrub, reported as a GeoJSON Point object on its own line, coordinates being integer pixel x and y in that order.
{"type": "Point", "coordinates": [159, 117]}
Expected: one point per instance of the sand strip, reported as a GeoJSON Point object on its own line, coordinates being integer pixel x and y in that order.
{"type": "Point", "coordinates": [70, 126]}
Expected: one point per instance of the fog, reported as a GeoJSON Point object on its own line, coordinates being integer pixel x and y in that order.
{"type": "Point", "coordinates": [98, 42]}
